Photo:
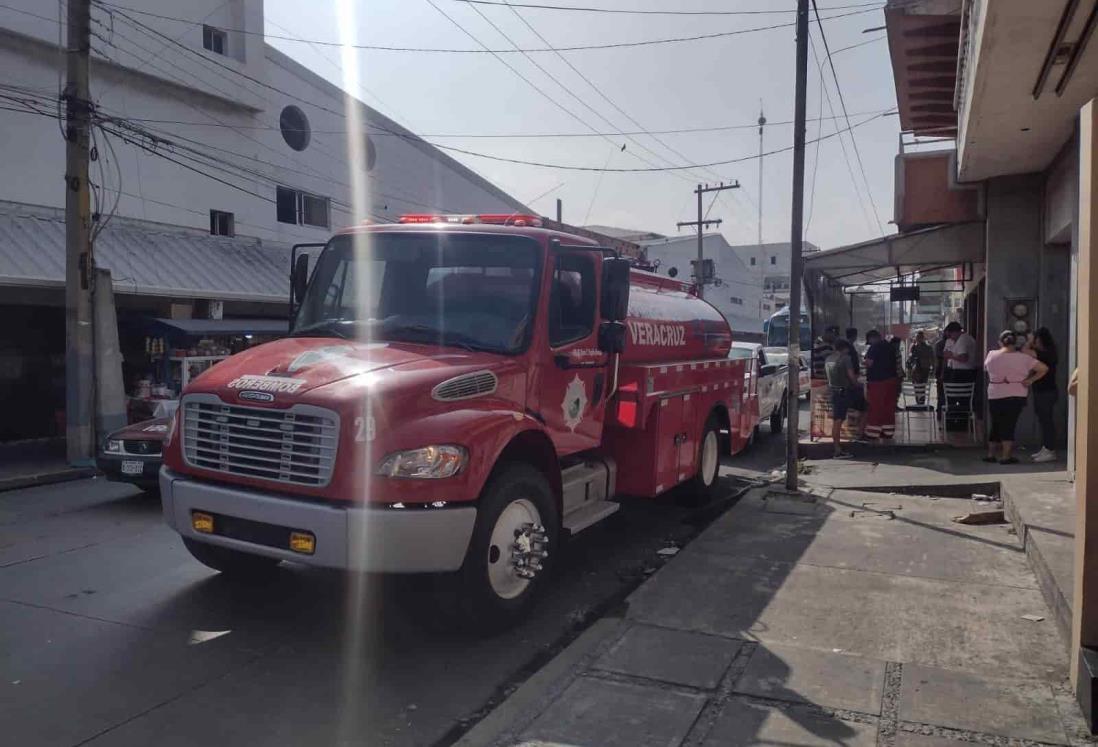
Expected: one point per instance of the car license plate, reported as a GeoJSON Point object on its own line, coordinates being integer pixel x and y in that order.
{"type": "Point", "coordinates": [132, 467]}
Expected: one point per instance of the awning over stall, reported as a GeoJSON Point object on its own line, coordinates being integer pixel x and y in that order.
{"type": "Point", "coordinates": [891, 257]}
{"type": "Point", "coordinates": [146, 259]}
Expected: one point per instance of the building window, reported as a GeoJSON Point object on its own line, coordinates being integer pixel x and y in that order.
{"type": "Point", "coordinates": [301, 208]}
{"type": "Point", "coordinates": [222, 223]}
{"type": "Point", "coordinates": [295, 127]}
{"type": "Point", "coordinates": [736, 300]}
{"type": "Point", "coordinates": [752, 261]}
{"type": "Point", "coordinates": [215, 40]}
{"type": "Point", "coordinates": [773, 260]}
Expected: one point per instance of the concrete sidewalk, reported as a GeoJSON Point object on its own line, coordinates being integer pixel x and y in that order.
{"type": "Point", "coordinates": [859, 618]}
{"type": "Point", "coordinates": [38, 462]}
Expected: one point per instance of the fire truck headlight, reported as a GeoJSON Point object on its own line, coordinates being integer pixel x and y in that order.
{"type": "Point", "coordinates": [426, 463]}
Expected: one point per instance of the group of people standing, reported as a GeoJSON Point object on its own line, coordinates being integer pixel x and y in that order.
{"type": "Point", "coordinates": [1022, 364]}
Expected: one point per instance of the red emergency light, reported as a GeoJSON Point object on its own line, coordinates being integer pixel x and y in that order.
{"type": "Point", "coordinates": [494, 219]}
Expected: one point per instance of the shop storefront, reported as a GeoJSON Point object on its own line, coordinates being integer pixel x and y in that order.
{"type": "Point", "coordinates": [166, 286]}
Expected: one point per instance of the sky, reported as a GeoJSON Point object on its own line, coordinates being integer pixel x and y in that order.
{"type": "Point", "coordinates": [710, 83]}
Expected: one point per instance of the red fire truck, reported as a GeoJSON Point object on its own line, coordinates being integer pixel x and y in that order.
{"type": "Point", "coordinates": [457, 395]}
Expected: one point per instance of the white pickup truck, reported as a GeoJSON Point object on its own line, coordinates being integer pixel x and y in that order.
{"type": "Point", "coordinates": [764, 380]}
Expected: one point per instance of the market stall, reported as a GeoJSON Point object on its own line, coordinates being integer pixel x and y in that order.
{"type": "Point", "coordinates": [169, 353]}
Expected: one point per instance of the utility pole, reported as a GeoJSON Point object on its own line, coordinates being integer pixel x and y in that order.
{"type": "Point", "coordinates": [560, 211]}
{"type": "Point", "coordinates": [701, 223]}
{"type": "Point", "coordinates": [792, 435]}
{"type": "Point", "coordinates": [79, 264]}
{"type": "Point", "coordinates": [761, 252]}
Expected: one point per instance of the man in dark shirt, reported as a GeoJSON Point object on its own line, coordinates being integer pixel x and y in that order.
{"type": "Point", "coordinates": [882, 387]}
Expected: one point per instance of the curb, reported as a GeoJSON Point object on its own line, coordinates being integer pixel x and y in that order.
{"type": "Point", "coordinates": [531, 696]}
{"type": "Point", "coordinates": [15, 482]}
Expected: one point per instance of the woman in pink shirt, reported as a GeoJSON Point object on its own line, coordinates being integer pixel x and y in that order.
{"type": "Point", "coordinates": [1009, 374]}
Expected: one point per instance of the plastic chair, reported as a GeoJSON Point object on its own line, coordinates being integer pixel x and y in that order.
{"type": "Point", "coordinates": [959, 404]}
{"type": "Point", "coordinates": [916, 404]}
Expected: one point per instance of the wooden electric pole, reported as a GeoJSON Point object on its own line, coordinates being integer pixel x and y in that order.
{"type": "Point", "coordinates": [701, 223]}
{"type": "Point", "coordinates": [792, 435]}
{"type": "Point", "coordinates": [79, 265]}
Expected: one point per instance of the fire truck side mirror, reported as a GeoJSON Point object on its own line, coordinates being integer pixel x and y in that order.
{"type": "Point", "coordinates": [615, 289]}
{"type": "Point", "coordinates": [612, 337]}
{"type": "Point", "coordinates": [299, 277]}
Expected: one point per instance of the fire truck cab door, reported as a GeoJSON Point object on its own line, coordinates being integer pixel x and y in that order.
{"type": "Point", "coordinates": [573, 388]}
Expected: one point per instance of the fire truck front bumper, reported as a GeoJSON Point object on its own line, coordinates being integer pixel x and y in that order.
{"type": "Point", "coordinates": [376, 540]}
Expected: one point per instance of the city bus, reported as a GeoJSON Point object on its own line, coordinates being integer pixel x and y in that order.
{"type": "Point", "coordinates": [776, 330]}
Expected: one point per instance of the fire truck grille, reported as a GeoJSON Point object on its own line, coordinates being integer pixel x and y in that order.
{"type": "Point", "coordinates": [287, 446]}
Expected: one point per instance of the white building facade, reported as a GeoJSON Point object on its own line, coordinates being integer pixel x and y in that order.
{"type": "Point", "coordinates": [212, 153]}
{"type": "Point", "coordinates": [735, 292]}
{"type": "Point", "coordinates": [768, 266]}
{"type": "Point", "coordinates": [238, 118]}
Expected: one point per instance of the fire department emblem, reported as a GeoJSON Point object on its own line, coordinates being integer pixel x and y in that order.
{"type": "Point", "coordinates": [575, 400]}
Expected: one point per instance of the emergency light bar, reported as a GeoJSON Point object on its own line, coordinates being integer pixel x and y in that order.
{"type": "Point", "coordinates": [494, 219]}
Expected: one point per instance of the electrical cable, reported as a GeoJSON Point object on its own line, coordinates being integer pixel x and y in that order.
{"type": "Point", "coordinates": [637, 12]}
{"type": "Point", "coordinates": [526, 80]}
{"type": "Point", "coordinates": [486, 50]}
{"type": "Point", "coordinates": [842, 142]}
{"type": "Point", "coordinates": [601, 94]}
{"type": "Point", "coordinates": [651, 169]}
{"type": "Point", "coordinates": [519, 135]}
{"type": "Point", "coordinates": [568, 167]}
{"type": "Point", "coordinates": [842, 103]}
{"type": "Point", "coordinates": [815, 158]}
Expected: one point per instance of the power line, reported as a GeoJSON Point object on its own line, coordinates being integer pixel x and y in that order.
{"type": "Point", "coordinates": [842, 142]}
{"type": "Point", "coordinates": [842, 103]}
{"type": "Point", "coordinates": [566, 167]}
{"type": "Point", "coordinates": [314, 174]}
{"type": "Point", "coordinates": [860, 44]}
{"type": "Point", "coordinates": [487, 50]}
{"type": "Point", "coordinates": [600, 92]}
{"type": "Point", "coordinates": [637, 12]}
{"type": "Point", "coordinates": [515, 135]}
{"type": "Point", "coordinates": [815, 158]}
{"type": "Point", "coordinates": [544, 71]}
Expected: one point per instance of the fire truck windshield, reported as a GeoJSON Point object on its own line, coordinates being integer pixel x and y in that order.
{"type": "Point", "coordinates": [470, 291]}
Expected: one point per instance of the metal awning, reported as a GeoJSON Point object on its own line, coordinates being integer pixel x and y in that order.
{"type": "Point", "coordinates": [145, 259]}
{"type": "Point", "coordinates": [886, 259]}
{"type": "Point", "coordinates": [207, 327]}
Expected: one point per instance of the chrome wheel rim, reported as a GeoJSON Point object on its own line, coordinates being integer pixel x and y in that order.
{"type": "Point", "coordinates": [516, 549]}
{"type": "Point", "coordinates": [709, 458]}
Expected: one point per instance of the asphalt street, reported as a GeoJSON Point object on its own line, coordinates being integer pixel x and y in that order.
{"type": "Point", "coordinates": [111, 634]}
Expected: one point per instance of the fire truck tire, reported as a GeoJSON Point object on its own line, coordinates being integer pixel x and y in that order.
{"type": "Point", "coordinates": [505, 567]}
{"type": "Point", "coordinates": [704, 486]}
{"type": "Point", "coordinates": [230, 562]}
{"type": "Point", "coordinates": [777, 418]}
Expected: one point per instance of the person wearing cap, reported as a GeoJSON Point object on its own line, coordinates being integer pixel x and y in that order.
{"type": "Point", "coordinates": [824, 347]}
{"type": "Point", "coordinates": [1010, 372]}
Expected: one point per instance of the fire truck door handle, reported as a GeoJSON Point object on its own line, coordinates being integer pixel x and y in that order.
{"type": "Point", "coordinates": [596, 397]}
